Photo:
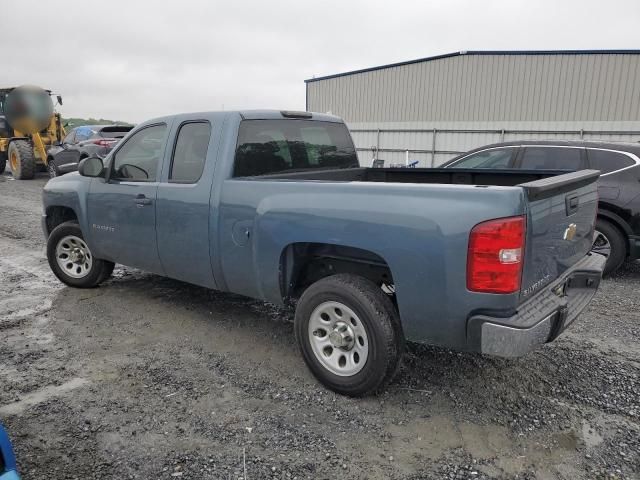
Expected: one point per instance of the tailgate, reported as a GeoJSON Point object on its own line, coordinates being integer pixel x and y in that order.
{"type": "Point", "coordinates": [560, 222]}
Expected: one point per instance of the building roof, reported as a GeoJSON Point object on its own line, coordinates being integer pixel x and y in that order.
{"type": "Point", "coordinates": [479, 52]}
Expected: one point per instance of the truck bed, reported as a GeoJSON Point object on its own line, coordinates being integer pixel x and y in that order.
{"type": "Point", "coordinates": [507, 178]}
{"type": "Point", "coordinates": [538, 184]}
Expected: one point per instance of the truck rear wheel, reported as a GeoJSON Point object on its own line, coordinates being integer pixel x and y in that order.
{"type": "Point", "coordinates": [71, 260]}
{"type": "Point", "coordinates": [3, 162]}
{"type": "Point", "coordinates": [22, 160]}
{"type": "Point", "coordinates": [349, 334]}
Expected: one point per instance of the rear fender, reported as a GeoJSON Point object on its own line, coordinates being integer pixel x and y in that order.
{"type": "Point", "coordinates": [410, 227]}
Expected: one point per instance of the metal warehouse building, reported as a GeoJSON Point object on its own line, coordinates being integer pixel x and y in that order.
{"type": "Point", "coordinates": [436, 107]}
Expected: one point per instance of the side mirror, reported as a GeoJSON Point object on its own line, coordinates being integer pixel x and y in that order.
{"type": "Point", "coordinates": [91, 167]}
{"type": "Point", "coordinates": [59, 98]}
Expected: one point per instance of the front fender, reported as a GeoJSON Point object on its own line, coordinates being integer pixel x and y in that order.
{"type": "Point", "coordinates": [69, 191]}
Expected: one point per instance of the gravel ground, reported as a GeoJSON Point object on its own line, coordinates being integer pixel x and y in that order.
{"type": "Point", "coordinates": [147, 377]}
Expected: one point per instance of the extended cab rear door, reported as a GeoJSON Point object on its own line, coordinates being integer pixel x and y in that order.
{"type": "Point", "coordinates": [183, 213]}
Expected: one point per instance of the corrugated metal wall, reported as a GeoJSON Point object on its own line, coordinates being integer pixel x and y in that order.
{"type": "Point", "coordinates": [467, 94]}
{"type": "Point", "coordinates": [451, 138]}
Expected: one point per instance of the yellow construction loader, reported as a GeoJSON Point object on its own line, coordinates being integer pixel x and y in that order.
{"type": "Point", "coordinates": [29, 126]}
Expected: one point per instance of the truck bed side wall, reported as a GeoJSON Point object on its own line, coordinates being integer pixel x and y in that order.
{"type": "Point", "coordinates": [411, 227]}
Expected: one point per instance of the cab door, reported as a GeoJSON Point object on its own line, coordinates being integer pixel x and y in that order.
{"type": "Point", "coordinates": [122, 207]}
{"type": "Point", "coordinates": [183, 214]}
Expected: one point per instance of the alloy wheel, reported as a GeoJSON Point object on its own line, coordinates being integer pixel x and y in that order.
{"type": "Point", "coordinates": [74, 257]}
{"type": "Point", "coordinates": [338, 338]}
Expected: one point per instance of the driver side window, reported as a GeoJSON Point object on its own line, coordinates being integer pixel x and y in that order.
{"type": "Point", "coordinates": [138, 159]}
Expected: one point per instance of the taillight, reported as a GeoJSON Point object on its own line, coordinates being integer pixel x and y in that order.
{"type": "Point", "coordinates": [495, 255]}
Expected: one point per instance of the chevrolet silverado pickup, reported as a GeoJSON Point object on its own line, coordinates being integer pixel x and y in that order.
{"type": "Point", "coordinates": [274, 205]}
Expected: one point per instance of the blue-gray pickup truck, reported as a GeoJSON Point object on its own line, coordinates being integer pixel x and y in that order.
{"type": "Point", "coordinates": [274, 205]}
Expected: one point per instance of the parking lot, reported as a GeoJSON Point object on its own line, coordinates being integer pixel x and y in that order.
{"type": "Point", "coordinates": [146, 377]}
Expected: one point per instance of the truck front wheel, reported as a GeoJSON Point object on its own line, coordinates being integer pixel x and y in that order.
{"type": "Point", "coordinates": [22, 160]}
{"type": "Point", "coordinates": [349, 334]}
{"type": "Point", "coordinates": [71, 260]}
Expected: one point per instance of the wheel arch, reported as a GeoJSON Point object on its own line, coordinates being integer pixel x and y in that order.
{"type": "Point", "coordinates": [304, 263]}
{"type": "Point", "coordinates": [618, 222]}
{"type": "Point", "coordinates": [57, 215]}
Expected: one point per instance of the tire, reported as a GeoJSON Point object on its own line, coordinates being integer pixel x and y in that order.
{"type": "Point", "coordinates": [83, 272]}
{"type": "Point", "coordinates": [610, 239]}
{"type": "Point", "coordinates": [3, 162]}
{"type": "Point", "coordinates": [22, 160]}
{"type": "Point", "coordinates": [52, 169]}
{"type": "Point", "coordinates": [106, 271]}
{"type": "Point", "coordinates": [364, 354]}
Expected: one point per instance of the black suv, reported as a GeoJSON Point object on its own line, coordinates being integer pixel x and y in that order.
{"type": "Point", "coordinates": [83, 142]}
{"type": "Point", "coordinates": [618, 224]}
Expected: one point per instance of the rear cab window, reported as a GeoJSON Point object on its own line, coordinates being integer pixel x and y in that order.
{"type": "Point", "coordinates": [279, 146]}
{"type": "Point", "coordinates": [607, 161]}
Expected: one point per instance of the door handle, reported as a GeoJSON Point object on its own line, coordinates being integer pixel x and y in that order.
{"type": "Point", "coordinates": [142, 200]}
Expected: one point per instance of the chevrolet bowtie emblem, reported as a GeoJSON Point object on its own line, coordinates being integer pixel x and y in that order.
{"type": "Point", "coordinates": [570, 232]}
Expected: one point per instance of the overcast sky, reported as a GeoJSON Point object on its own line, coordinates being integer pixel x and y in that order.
{"type": "Point", "coordinates": [138, 59]}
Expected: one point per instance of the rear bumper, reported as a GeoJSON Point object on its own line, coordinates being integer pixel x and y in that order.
{"type": "Point", "coordinates": [542, 318]}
